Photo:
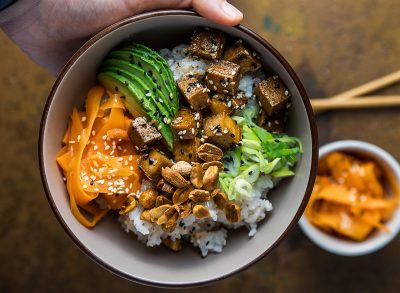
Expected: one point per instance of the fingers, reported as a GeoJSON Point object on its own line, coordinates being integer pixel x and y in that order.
{"type": "Point", "coordinates": [219, 11]}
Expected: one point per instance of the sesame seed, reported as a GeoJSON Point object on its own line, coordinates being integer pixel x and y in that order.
{"type": "Point", "coordinates": [84, 186]}
{"type": "Point", "coordinates": [96, 190]}
{"type": "Point", "coordinates": [83, 119]}
{"type": "Point", "coordinates": [93, 132]}
{"type": "Point", "coordinates": [130, 158]}
{"type": "Point", "coordinates": [126, 163]}
{"type": "Point", "coordinates": [65, 179]}
{"type": "Point", "coordinates": [104, 137]}
{"type": "Point", "coordinates": [107, 147]}
{"type": "Point", "coordinates": [120, 159]}
{"type": "Point", "coordinates": [95, 147]}
{"type": "Point", "coordinates": [72, 141]}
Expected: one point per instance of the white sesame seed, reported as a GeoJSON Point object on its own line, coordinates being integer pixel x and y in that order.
{"type": "Point", "coordinates": [72, 141]}
{"type": "Point", "coordinates": [96, 190]}
{"type": "Point", "coordinates": [65, 179]}
{"type": "Point", "coordinates": [93, 132]}
{"type": "Point", "coordinates": [84, 186]}
{"type": "Point", "coordinates": [83, 119]}
{"type": "Point", "coordinates": [130, 158]}
{"type": "Point", "coordinates": [107, 147]}
{"type": "Point", "coordinates": [127, 190]}
{"type": "Point", "coordinates": [95, 147]}
{"type": "Point", "coordinates": [104, 137]}
{"type": "Point", "coordinates": [120, 159]}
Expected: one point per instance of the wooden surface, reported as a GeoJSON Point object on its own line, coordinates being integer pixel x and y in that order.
{"type": "Point", "coordinates": [333, 45]}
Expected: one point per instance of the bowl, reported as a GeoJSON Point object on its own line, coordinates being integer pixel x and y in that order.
{"type": "Point", "coordinates": [107, 243]}
{"type": "Point", "coordinates": [377, 239]}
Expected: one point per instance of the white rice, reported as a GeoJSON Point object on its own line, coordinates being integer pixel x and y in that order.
{"type": "Point", "coordinates": [210, 234]}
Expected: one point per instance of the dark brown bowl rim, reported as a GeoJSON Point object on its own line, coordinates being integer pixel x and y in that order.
{"type": "Point", "coordinates": [259, 39]}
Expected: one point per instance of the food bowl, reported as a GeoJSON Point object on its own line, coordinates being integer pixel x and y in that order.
{"type": "Point", "coordinates": [377, 239]}
{"type": "Point", "coordinates": [107, 243]}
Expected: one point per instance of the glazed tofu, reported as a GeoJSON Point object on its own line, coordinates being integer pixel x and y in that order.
{"type": "Point", "coordinates": [219, 106]}
{"type": "Point", "coordinates": [186, 150]}
{"type": "Point", "coordinates": [274, 123]}
{"type": "Point", "coordinates": [193, 91]}
{"type": "Point", "coordinates": [186, 124]}
{"type": "Point", "coordinates": [207, 43]}
{"type": "Point", "coordinates": [222, 131]}
{"type": "Point", "coordinates": [272, 95]}
{"type": "Point", "coordinates": [223, 77]}
{"type": "Point", "coordinates": [241, 55]}
{"type": "Point", "coordinates": [239, 101]}
{"type": "Point", "coordinates": [152, 163]}
{"type": "Point", "coordinates": [142, 133]}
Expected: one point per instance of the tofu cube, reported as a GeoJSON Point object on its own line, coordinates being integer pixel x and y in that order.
{"type": "Point", "coordinates": [186, 150]}
{"type": "Point", "coordinates": [223, 77]}
{"type": "Point", "coordinates": [272, 95]}
{"type": "Point", "coordinates": [275, 123]}
{"type": "Point", "coordinates": [193, 91]}
{"type": "Point", "coordinates": [152, 164]}
{"type": "Point", "coordinates": [207, 43]}
{"type": "Point", "coordinates": [239, 101]}
{"type": "Point", "coordinates": [222, 131]}
{"type": "Point", "coordinates": [142, 133]}
{"type": "Point", "coordinates": [186, 124]}
{"type": "Point", "coordinates": [219, 106]}
{"type": "Point", "coordinates": [241, 55]}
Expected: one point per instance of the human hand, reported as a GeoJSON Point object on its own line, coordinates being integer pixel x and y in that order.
{"type": "Point", "coordinates": [49, 31]}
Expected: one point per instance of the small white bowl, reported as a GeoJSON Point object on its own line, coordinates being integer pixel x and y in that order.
{"type": "Point", "coordinates": [377, 239]}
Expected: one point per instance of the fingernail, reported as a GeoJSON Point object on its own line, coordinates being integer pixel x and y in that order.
{"type": "Point", "coordinates": [230, 10]}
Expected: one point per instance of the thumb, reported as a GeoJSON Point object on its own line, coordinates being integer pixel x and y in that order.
{"type": "Point", "coordinates": [219, 11]}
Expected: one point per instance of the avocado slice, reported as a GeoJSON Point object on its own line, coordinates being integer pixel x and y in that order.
{"type": "Point", "coordinates": [152, 90]}
{"type": "Point", "coordinates": [153, 71]}
{"type": "Point", "coordinates": [156, 57]}
{"type": "Point", "coordinates": [135, 92]}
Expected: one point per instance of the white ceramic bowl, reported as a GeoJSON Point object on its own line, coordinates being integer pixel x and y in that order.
{"type": "Point", "coordinates": [120, 252]}
{"type": "Point", "coordinates": [377, 239]}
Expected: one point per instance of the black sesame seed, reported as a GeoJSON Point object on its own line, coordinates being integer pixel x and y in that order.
{"type": "Point", "coordinates": [126, 83]}
{"type": "Point", "coordinates": [159, 87]}
{"type": "Point", "coordinates": [232, 135]}
{"type": "Point", "coordinates": [150, 73]}
{"type": "Point", "coordinates": [151, 161]}
{"type": "Point", "coordinates": [182, 151]}
{"type": "Point", "coordinates": [208, 242]}
{"type": "Point", "coordinates": [154, 89]}
{"type": "Point", "coordinates": [91, 182]}
{"type": "Point", "coordinates": [190, 156]}
{"type": "Point", "coordinates": [116, 89]}
{"type": "Point", "coordinates": [139, 64]}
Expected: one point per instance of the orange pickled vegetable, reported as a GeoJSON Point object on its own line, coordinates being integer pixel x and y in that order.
{"type": "Point", "coordinates": [349, 197]}
{"type": "Point", "coordinates": [97, 158]}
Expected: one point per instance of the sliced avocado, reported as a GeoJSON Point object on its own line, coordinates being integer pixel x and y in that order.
{"type": "Point", "coordinates": [157, 58]}
{"type": "Point", "coordinates": [135, 93]}
{"type": "Point", "coordinates": [153, 70]}
{"type": "Point", "coordinates": [152, 90]}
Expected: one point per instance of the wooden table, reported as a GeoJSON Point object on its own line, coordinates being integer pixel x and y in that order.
{"type": "Point", "coordinates": [333, 45]}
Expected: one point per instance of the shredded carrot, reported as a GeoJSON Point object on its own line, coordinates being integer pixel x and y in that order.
{"type": "Point", "coordinates": [97, 157]}
{"type": "Point", "coordinates": [349, 197]}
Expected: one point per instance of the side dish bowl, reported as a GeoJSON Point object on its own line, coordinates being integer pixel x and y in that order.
{"type": "Point", "coordinates": [377, 239]}
{"type": "Point", "coordinates": [118, 251]}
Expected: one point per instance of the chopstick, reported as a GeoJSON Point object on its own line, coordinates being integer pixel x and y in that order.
{"type": "Point", "coordinates": [353, 94]}
{"type": "Point", "coordinates": [354, 102]}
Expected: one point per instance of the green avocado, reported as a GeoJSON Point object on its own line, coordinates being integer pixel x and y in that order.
{"type": "Point", "coordinates": [136, 101]}
{"type": "Point", "coordinates": [143, 76]}
{"type": "Point", "coordinates": [154, 70]}
{"type": "Point", "coordinates": [152, 90]}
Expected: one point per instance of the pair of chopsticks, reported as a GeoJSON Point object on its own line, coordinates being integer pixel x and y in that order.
{"type": "Point", "coordinates": [353, 98]}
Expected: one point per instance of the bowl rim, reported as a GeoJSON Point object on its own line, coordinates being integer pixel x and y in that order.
{"type": "Point", "coordinates": [267, 46]}
{"type": "Point", "coordinates": [359, 248]}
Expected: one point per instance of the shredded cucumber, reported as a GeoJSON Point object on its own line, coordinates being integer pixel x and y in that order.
{"type": "Point", "coordinates": [260, 153]}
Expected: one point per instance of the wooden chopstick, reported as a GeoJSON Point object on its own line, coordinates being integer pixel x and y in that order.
{"type": "Point", "coordinates": [354, 103]}
{"type": "Point", "coordinates": [369, 87]}
{"type": "Point", "coordinates": [356, 92]}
